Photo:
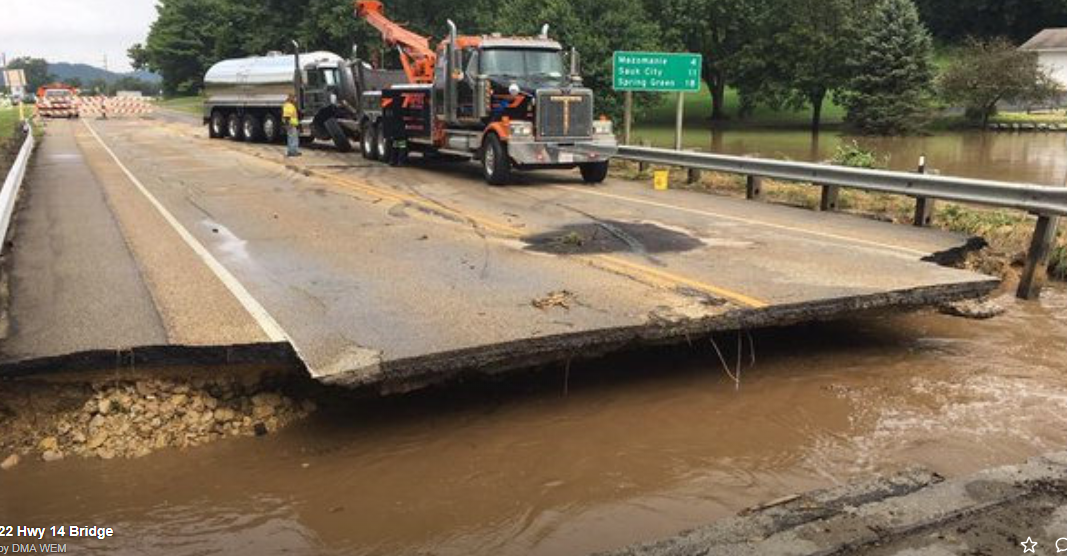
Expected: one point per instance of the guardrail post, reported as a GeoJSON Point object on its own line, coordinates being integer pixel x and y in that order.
{"type": "Point", "coordinates": [693, 175]}
{"type": "Point", "coordinates": [1036, 270]}
{"type": "Point", "coordinates": [924, 206]}
{"type": "Point", "coordinates": [830, 194]}
{"type": "Point", "coordinates": [753, 188]}
{"type": "Point", "coordinates": [642, 167]}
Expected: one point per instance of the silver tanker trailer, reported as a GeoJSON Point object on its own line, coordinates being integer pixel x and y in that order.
{"type": "Point", "coordinates": [244, 96]}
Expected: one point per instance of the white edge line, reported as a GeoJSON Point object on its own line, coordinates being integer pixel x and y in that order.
{"type": "Point", "coordinates": [824, 235]}
{"type": "Point", "coordinates": [263, 318]}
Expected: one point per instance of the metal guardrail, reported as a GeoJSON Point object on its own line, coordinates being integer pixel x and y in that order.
{"type": "Point", "coordinates": [1048, 203]}
{"type": "Point", "coordinates": [1036, 199]}
{"type": "Point", "coordinates": [13, 183]}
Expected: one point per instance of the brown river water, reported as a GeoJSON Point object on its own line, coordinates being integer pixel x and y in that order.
{"type": "Point", "coordinates": [1028, 157]}
{"type": "Point", "coordinates": [641, 446]}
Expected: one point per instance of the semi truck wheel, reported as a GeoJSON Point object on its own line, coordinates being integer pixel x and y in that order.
{"type": "Point", "coordinates": [217, 128]}
{"type": "Point", "coordinates": [594, 172]}
{"type": "Point", "coordinates": [337, 134]}
{"type": "Point", "coordinates": [496, 168]}
{"type": "Point", "coordinates": [233, 127]}
{"type": "Point", "coordinates": [367, 141]}
{"type": "Point", "coordinates": [252, 128]}
{"type": "Point", "coordinates": [384, 146]}
{"type": "Point", "coordinates": [272, 128]}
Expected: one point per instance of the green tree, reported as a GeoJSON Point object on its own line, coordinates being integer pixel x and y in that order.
{"type": "Point", "coordinates": [718, 29]}
{"type": "Point", "coordinates": [129, 83]}
{"type": "Point", "coordinates": [97, 86]}
{"type": "Point", "coordinates": [184, 41]}
{"type": "Point", "coordinates": [75, 82]}
{"type": "Point", "coordinates": [799, 57]}
{"type": "Point", "coordinates": [986, 72]}
{"type": "Point", "coordinates": [953, 21]}
{"type": "Point", "coordinates": [892, 70]}
{"type": "Point", "coordinates": [36, 70]}
{"type": "Point", "coordinates": [595, 27]}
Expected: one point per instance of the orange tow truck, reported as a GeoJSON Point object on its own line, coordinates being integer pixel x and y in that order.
{"type": "Point", "coordinates": [510, 103]}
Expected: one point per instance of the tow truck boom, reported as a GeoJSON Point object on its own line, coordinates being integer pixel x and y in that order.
{"type": "Point", "coordinates": [416, 55]}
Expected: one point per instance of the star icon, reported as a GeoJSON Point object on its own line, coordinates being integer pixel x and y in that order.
{"type": "Point", "coordinates": [1028, 545]}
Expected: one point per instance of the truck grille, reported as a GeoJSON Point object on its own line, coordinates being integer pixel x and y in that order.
{"type": "Point", "coordinates": [563, 114]}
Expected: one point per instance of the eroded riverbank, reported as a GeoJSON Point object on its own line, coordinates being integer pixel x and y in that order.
{"type": "Point", "coordinates": [642, 445]}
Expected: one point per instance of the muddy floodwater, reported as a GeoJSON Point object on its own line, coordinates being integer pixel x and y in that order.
{"type": "Point", "coordinates": [641, 446]}
{"type": "Point", "coordinates": [1029, 157]}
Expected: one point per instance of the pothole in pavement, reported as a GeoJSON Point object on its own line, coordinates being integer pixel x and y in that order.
{"type": "Point", "coordinates": [609, 236]}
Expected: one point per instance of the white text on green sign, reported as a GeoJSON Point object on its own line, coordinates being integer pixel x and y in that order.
{"type": "Point", "coordinates": [656, 71]}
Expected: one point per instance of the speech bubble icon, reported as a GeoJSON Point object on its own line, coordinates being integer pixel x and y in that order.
{"type": "Point", "coordinates": [1059, 547]}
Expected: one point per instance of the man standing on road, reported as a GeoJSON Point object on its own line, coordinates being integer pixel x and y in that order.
{"type": "Point", "coordinates": [291, 119]}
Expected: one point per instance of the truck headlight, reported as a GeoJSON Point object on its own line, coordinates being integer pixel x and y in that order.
{"type": "Point", "coordinates": [521, 129]}
{"type": "Point", "coordinates": [603, 127]}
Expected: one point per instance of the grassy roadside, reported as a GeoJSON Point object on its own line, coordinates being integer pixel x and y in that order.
{"type": "Point", "coordinates": [9, 145]}
{"type": "Point", "coordinates": [698, 111]}
{"type": "Point", "coordinates": [189, 105]}
{"type": "Point", "coordinates": [1007, 232]}
{"type": "Point", "coordinates": [8, 118]}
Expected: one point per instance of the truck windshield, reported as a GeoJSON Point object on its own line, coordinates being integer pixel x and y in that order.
{"type": "Point", "coordinates": [522, 62]}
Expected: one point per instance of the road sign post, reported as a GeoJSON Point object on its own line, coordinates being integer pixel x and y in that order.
{"type": "Point", "coordinates": [664, 72]}
{"type": "Point", "coordinates": [678, 119]}
{"type": "Point", "coordinates": [16, 82]}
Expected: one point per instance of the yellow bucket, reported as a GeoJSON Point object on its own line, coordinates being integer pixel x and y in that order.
{"type": "Point", "coordinates": [660, 180]}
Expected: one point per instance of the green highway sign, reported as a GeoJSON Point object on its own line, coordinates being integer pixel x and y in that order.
{"type": "Point", "coordinates": [656, 71]}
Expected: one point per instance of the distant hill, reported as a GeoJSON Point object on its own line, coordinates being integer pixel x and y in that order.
{"type": "Point", "coordinates": [87, 73]}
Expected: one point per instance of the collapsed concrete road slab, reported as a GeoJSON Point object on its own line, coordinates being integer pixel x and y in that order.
{"type": "Point", "coordinates": [399, 277]}
{"type": "Point", "coordinates": [914, 512]}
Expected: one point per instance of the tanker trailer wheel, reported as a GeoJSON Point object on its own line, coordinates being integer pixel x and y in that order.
{"type": "Point", "coordinates": [384, 144]}
{"type": "Point", "coordinates": [217, 128]}
{"type": "Point", "coordinates": [594, 172]}
{"type": "Point", "coordinates": [252, 128]}
{"type": "Point", "coordinates": [337, 134]}
{"type": "Point", "coordinates": [272, 128]}
{"type": "Point", "coordinates": [233, 127]}
{"type": "Point", "coordinates": [496, 167]}
{"type": "Point", "coordinates": [367, 141]}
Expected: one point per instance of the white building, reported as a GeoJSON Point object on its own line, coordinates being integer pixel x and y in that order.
{"type": "Point", "coordinates": [1051, 48]}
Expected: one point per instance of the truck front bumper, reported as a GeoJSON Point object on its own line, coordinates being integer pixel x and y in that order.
{"type": "Point", "coordinates": [530, 152]}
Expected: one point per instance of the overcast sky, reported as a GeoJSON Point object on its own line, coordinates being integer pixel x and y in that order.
{"type": "Point", "coordinates": [75, 30]}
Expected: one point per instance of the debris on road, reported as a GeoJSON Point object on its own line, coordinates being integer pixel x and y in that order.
{"type": "Point", "coordinates": [561, 298]}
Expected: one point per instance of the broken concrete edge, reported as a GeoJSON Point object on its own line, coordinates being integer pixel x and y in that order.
{"type": "Point", "coordinates": [412, 373]}
{"type": "Point", "coordinates": [957, 256]}
{"type": "Point", "coordinates": [859, 516]}
{"type": "Point", "coordinates": [369, 371]}
{"type": "Point", "coordinates": [135, 359]}
{"type": "Point", "coordinates": [805, 508]}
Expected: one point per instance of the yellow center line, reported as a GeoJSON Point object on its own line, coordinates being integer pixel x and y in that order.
{"type": "Point", "coordinates": [604, 262]}
{"type": "Point", "coordinates": [636, 271]}
{"type": "Point", "coordinates": [678, 279]}
{"type": "Point", "coordinates": [743, 220]}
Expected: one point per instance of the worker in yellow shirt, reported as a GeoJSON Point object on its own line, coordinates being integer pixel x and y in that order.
{"type": "Point", "coordinates": [291, 120]}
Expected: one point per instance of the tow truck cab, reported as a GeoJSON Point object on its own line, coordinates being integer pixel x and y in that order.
{"type": "Point", "coordinates": [509, 102]}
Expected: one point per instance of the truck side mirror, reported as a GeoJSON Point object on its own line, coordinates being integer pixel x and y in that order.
{"type": "Point", "coordinates": [576, 68]}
